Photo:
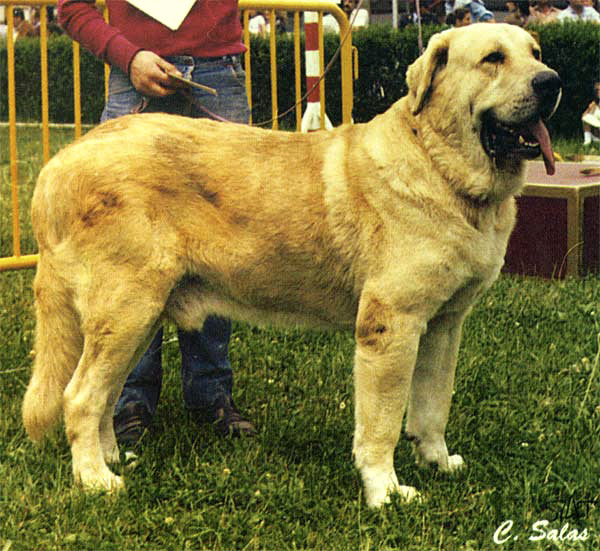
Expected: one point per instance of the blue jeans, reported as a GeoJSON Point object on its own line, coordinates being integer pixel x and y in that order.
{"type": "Point", "coordinates": [224, 74]}
{"type": "Point", "coordinates": [206, 373]}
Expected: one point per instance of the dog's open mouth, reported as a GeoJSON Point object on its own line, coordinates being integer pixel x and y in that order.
{"type": "Point", "coordinates": [524, 141]}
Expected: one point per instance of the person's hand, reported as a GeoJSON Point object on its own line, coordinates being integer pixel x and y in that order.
{"type": "Point", "coordinates": [149, 75]}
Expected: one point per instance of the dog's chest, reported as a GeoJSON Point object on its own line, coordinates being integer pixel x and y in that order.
{"type": "Point", "coordinates": [318, 290]}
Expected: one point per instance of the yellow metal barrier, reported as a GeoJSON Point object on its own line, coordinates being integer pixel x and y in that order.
{"type": "Point", "coordinates": [18, 260]}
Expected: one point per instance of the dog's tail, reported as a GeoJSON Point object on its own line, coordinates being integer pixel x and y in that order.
{"type": "Point", "coordinates": [58, 347]}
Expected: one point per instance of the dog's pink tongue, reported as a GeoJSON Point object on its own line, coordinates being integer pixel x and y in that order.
{"type": "Point", "coordinates": [540, 132]}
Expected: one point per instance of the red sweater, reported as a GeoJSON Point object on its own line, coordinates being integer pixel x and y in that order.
{"type": "Point", "coordinates": [211, 29]}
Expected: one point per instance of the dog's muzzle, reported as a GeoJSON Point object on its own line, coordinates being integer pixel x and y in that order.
{"type": "Point", "coordinates": [528, 138]}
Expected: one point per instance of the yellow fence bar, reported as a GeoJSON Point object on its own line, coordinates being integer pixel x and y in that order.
{"type": "Point", "coordinates": [247, 61]}
{"type": "Point", "coordinates": [322, 114]}
{"type": "Point", "coordinates": [12, 134]}
{"type": "Point", "coordinates": [77, 89]}
{"type": "Point", "coordinates": [106, 65]}
{"type": "Point", "coordinates": [298, 71]}
{"type": "Point", "coordinates": [44, 77]}
{"type": "Point", "coordinates": [17, 260]}
{"type": "Point", "coordinates": [273, 52]}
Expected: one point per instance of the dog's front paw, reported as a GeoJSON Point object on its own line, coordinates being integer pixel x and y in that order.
{"type": "Point", "coordinates": [381, 496]}
{"type": "Point", "coordinates": [379, 486]}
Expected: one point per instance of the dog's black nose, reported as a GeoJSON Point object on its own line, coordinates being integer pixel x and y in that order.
{"type": "Point", "coordinates": [547, 86]}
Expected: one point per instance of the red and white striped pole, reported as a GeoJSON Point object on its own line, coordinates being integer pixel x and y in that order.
{"type": "Point", "coordinates": [311, 120]}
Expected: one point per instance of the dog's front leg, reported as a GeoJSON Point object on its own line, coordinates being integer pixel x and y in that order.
{"type": "Point", "coordinates": [386, 352]}
{"type": "Point", "coordinates": [431, 392]}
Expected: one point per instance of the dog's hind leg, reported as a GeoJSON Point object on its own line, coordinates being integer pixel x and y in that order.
{"type": "Point", "coordinates": [431, 392]}
{"type": "Point", "coordinates": [115, 329]}
{"type": "Point", "coordinates": [108, 440]}
{"type": "Point", "coordinates": [58, 347]}
{"type": "Point", "coordinates": [85, 401]}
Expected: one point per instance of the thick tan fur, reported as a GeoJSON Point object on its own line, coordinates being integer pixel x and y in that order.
{"type": "Point", "coordinates": [392, 228]}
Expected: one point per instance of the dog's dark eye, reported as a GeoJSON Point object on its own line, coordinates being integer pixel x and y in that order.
{"type": "Point", "coordinates": [537, 54]}
{"type": "Point", "coordinates": [494, 57]}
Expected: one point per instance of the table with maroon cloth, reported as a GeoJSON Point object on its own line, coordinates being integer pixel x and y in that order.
{"type": "Point", "coordinates": [558, 222]}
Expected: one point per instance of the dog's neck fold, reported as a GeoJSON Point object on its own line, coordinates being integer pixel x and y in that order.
{"type": "Point", "coordinates": [473, 177]}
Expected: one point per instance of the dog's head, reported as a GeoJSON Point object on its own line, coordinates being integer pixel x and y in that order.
{"type": "Point", "coordinates": [484, 88]}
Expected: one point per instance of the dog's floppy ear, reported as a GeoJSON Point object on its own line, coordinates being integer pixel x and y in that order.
{"type": "Point", "coordinates": [419, 76]}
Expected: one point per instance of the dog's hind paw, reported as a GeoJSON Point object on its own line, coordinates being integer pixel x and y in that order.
{"type": "Point", "coordinates": [408, 493]}
{"type": "Point", "coordinates": [455, 463]}
{"type": "Point", "coordinates": [450, 464]}
{"type": "Point", "coordinates": [435, 453]}
{"type": "Point", "coordinates": [105, 481]}
{"type": "Point", "coordinates": [111, 455]}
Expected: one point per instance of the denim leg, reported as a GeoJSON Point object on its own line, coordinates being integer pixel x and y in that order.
{"type": "Point", "coordinates": [123, 98]}
{"type": "Point", "coordinates": [206, 374]}
{"type": "Point", "coordinates": [145, 381]}
{"type": "Point", "coordinates": [207, 377]}
{"type": "Point", "coordinates": [227, 76]}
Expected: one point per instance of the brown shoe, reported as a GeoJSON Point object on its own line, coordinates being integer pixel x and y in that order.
{"type": "Point", "coordinates": [231, 422]}
{"type": "Point", "coordinates": [131, 423]}
{"type": "Point", "coordinates": [226, 420]}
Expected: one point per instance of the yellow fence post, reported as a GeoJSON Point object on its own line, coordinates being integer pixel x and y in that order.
{"type": "Point", "coordinates": [298, 70]}
{"type": "Point", "coordinates": [273, 52]}
{"type": "Point", "coordinates": [106, 65]}
{"type": "Point", "coordinates": [12, 131]}
{"type": "Point", "coordinates": [76, 89]}
{"type": "Point", "coordinates": [248, 63]}
{"type": "Point", "coordinates": [322, 114]}
{"type": "Point", "coordinates": [44, 76]}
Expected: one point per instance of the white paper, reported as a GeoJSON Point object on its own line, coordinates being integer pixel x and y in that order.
{"type": "Point", "coordinates": [171, 14]}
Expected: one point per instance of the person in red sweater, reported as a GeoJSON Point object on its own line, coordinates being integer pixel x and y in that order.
{"type": "Point", "coordinates": [143, 51]}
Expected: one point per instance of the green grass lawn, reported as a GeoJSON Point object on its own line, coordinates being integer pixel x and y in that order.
{"type": "Point", "coordinates": [525, 417]}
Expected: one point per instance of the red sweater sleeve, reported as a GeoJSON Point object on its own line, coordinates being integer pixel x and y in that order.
{"type": "Point", "coordinates": [84, 23]}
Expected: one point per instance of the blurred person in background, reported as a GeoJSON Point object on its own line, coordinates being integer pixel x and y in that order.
{"type": "Point", "coordinates": [358, 17]}
{"type": "Point", "coordinates": [460, 17]}
{"type": "Point", "coordinates": [258, 23]}
{"type": "Point", "coordinates": [479, 13]}
{"type": "Point", "coordinates": [518, 13]}
{"type": "Point", "coordinates": [591, 119]}
{"type": "Point", "coordinates": [578, 11]}
{"type": "Point", "coordinates": [543, 12]}
{"type": "Point", "coordinates": [23, 28]}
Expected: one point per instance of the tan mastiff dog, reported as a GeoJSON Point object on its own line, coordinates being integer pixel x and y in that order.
{"type": "Point", "coordinates": [392, 228]}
